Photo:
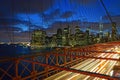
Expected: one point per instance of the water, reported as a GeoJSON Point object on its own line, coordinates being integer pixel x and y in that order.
{"type": "Point", "coordinates": [14, 50]}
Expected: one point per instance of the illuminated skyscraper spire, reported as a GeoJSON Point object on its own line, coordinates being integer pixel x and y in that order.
{"type": "Point", "coordinates": [101, 27]}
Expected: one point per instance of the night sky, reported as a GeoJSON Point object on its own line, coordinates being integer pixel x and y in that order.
{"type": "Point", "coordinates": [19, 17]}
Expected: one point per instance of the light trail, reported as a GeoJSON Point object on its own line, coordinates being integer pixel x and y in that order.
{"type": "Point", "coordinates": [92, 65]}
{"type": "Point", "coordinates": [97, 66]}
{"type": "Point", "coordinates": [83, 64]}
{"type": "Point", "coordinates": [107, 71]}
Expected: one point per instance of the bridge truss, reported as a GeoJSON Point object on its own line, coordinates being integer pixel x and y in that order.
{"type": "Point", "coordinates": [43, 65]}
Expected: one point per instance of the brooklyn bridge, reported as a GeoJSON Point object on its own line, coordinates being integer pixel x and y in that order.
{"type": "Point", "coordinates": [59, 40]}
{"type": "Point", "coordinates": [99, 61]}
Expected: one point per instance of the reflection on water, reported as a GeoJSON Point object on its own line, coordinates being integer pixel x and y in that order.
{"type": "Point", "coordinates": [16, 49]}
{"type": "Point", "coordinates": [13, 49]}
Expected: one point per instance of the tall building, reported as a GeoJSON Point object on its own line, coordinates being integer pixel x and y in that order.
{"type": "Point", "coordinates": [100, 28]}
{"type": "Point", "coordinates": [106, 37]}
{"type": "Point", "coordinates": [66, 36]}
{"type": "Point", "coordinates": [79, 36]}
{"type": "Point", "coordinates": [54, 41]}
{"type": "Point", "coordinates": [38, 37]}
{"type": "Point", "coordinates": [47, 41]}
{"type": "Point", "coordinates": [87, 36]}
{"type": "Point", "coordinates": [59, 37]}
{"type": "Point", "coordinates": [77, 29]}
{"type": "Point", "coordinates": [114, 31]}
{"type": "Point", "coordinates": [72, 40]}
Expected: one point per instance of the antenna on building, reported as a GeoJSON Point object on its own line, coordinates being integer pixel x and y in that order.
{"type": "Point", "coordinates": [101, 27]}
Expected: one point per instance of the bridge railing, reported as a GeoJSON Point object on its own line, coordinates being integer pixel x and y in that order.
{"type": "Point", "coordinates": [42, 65]}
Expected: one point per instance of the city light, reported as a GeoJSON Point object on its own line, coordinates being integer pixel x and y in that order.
{"type": "Point", "coordinates": [59, 39]}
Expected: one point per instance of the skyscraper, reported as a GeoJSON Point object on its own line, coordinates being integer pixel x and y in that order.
{"type": "Point", "coordinates": [66, 36]}
{"type": "Point", "coordinates": [100, 28]}
{"type": "Point", "coordinates": [77, 29]}
{"type": "Point", "coordinates": [114, 31]}
{"type": "Point", "coordinates": [38, 37]}
{"type": "Point", "coordinates": [59, 37]}
{"type": "Point", "coordinates": [87, 36]}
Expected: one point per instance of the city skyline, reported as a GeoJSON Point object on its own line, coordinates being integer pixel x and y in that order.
{"type": "Point", "coordinates": [18, 17]}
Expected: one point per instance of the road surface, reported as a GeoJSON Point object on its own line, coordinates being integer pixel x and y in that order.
{"type": "Point", "coordinates": [92, 65]}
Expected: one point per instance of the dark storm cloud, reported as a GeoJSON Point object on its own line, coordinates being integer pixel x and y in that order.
{"type": "Point", "coordinates": [51, 16]}
{"type": "Point", "coordinates": [10, 8]}
{"type": "Point", "coordinates": [56, 13]}
{"type": "Point", "coordinates": [60, 24]}
{"type": "Point", "coordinates": [24, 6]}
{"type": "Point", "coordinates": [11, 21]}
{"type": "Point", "coordinates": [67, 14]}
{"type": "Point", "coordinates": [84, 2]}
{"type": "Point", "coordinates": [9, 28]}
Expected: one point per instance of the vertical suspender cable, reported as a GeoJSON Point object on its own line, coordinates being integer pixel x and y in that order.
{"type": "Point", "coordinates": [67, 22]}
{"type": "Point", "coordinates": [59, 8]}
{"type": "Point", "coordinates": [72, 8]}
{"type": "Point", "coordinates": [8, 32]}
{"type": "Point", "coordinates": [29, 19]}
{"type": "Point", "coordinates": [12, 27]}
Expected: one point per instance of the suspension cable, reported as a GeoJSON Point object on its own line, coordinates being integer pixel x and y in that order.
{"type": "Point", "coordinates": [106, 11]}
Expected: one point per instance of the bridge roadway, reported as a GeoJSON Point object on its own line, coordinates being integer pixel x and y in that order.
{"type": "Point", "coordinates": [92, 65]}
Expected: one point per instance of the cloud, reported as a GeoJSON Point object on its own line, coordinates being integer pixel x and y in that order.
{"type": "Point", "coordinates": [84, 2]}
{"type": "Point", "coordinates": [67, 14]}
{"type": "Point", "coordinates": [115, 18]}
{"type": "Point", "coordinates": [21, 22]}
{"type": "Point", "coordinates": [7, 33]}
{"type": "Point", "coordinates": [10, 8]}
{"type": "Point", "coordinates": [25, 6]}
{"type": "Point", "coordinates": [11, 21]}
{"type": "Point", "coordinates": [10, 35]}
{"type": "Point", "coordinates": [55, 13]}
{"type": "Point", "coordinates": [6, 28]}
{"type": "Point", "coordinates": [51, 16]}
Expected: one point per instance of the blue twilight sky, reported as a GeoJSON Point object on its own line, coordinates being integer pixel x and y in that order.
{"type": "Point", "coordinates": [19, 17]}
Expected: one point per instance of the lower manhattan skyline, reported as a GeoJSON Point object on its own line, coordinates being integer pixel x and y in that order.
{"type": "Point", "coordinates": [59, 39]}
{"type": "Point", "coordinates": [20, 18]}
